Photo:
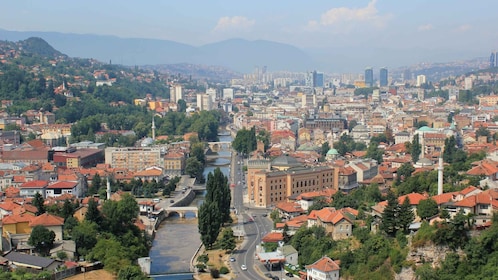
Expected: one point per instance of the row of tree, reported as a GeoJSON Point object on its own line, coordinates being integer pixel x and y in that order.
{"type": "Point", "coordinates": [215, 211]}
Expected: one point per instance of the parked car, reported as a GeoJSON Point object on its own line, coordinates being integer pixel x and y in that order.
{"type": "Point", "coordinates": [172, 201]}
{"type": "Point", "coordinates": [232, 259]}
{"type": "Point", "coordinates": [243, 267]}
{"type": "Point", "coordinates": [269, 275]}
{"type": "Point", "coordinates": [288, 274]}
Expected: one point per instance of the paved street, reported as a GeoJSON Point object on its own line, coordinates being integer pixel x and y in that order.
{"type": "Point", "coordinates": [251, 220]}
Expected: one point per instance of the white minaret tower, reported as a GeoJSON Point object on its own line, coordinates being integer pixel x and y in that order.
{"type": "Point", "coordinates": [153, 128]}
{"type": "Point", "coordinates": [108, 189]}
{"type": "Point", "coordinates": [440, 169]}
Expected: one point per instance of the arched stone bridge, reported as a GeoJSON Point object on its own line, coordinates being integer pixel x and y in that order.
{"type": "Point", "coordinates": [182, 211]}
{"type": "Point", "coordinates": [217, 146]}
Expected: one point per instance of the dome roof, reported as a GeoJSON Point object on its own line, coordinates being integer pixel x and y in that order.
{"type": "Point", "coordinates": [332, 152]}
{"type": "Point", "coordinates": [424, 162]}
{"type": "Point", "coordinates": [285, 160]}
{"type": "Point", "coordinates": [426, 128]}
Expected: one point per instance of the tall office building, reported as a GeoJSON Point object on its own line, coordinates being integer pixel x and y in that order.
{"type": "Point", "coordinates": [369, 77]}
{"type": "Point", "coordinates": [383, 77]}
{"type": "Point", "coordinates": [317, 79]}
{"type": "Point", "coordinates": [493, 60]}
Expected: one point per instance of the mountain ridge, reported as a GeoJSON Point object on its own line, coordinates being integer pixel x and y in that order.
{"type": "Point", "coordinates": [238, 54]}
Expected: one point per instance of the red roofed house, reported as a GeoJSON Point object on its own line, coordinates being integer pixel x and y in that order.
{"type": "Point", "coordinates": [337, 223]}
{"type": "Point", "coordinates": [487, 168]}
{"type": "Point", "coordinates": [323, 269]}
{"type": "Point", "coordinates": [273, 237]}
{"type": "Point", "coordinates": [29, 189]}
{"type": "Point", "coordinates": [51, 222]}
{"type": "Point", "coordinates": [59, 188]}
{"type": "Point", "coordinates": [16, 224]}
{"type": "Point", "coordinates": [289, 210]}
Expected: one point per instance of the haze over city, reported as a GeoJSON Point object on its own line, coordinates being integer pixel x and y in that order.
{"type": "Point", "coordinates": [338, 35]}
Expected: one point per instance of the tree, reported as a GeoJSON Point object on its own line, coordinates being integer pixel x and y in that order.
{"type": "Point", "coordinates": [450, 150]}
{"type": "Point", "coordinates": [405, 215]}
{"type": "Point", "coordinates": [39, 203]}
{"type": "Point", "coordinates": [194, 168]}
{"type": "Point", "coordinates": [416, 149]}
{"type": "Point", "coordinates": [218, 191]}
{"type": "Point", "coordinates": [131, 272]}
{"type": "Point", "coordinates": [84, 236]}
{"type": "Point", "coordinates": [227, 241]}
{"type": "Point", "coordinates": [405, 170]}
{"type": "Point", "coordinates": [209, 223]}
{"type": "Point", "coordinates": [427, 208]}
{"type": "Point", "coordinates": [325, 148]}
{"type": "Point", "coordinates": [390, 215]}
{"type": "Point", "coordinates": [42, 239]}
{"type": "Point", "coordinates": [182, 105]}
{"type": "Point", "coordinates": [245, 141]}
{"type": "Point", "coordinates": [197, 151]}
{"type": "Point", "coordinates": [93, 213]}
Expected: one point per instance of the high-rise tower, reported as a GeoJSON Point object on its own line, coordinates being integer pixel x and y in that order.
{"type": "Point", "coordinates": [369, 77]}
{"type": "Point", "coordinates": [383, 74]}
{"type": "Point", "coordinates": [493, 60]}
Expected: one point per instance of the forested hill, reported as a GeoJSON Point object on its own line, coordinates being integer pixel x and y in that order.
{"type": "Point", "coordinates": [31, 46]}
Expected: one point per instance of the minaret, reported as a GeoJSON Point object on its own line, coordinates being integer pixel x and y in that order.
{"type": "Point", "coordinates": [440, 169]}
{"type": "Point", "coordinates": [108, 189]}
{"type": "Point", "coordinates": [153, 129]}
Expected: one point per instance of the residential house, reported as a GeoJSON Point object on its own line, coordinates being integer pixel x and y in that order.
{"type": "Point", "coordinates": [66, 246]}
{"type": "Point", "coordinates": [16, 224]}
{"type": "Point", "coordinates": [29, 189]}
{"type": "Point", "coordinates": [323, 269]}
{"type": "Point", "coordinates": [487, 168]}
{"type": "Point", "coordinates": [288, 210]}
{"type": "Point", "coordinates": [337, 223]}
{"type": "Point", "coordinates": [174, 163]}
{"type": "Point", "coordinates": [365, 169]}
{"type": "Point", "coordinates": [34, 262]}
{"type": "Point", "coordinates": [290, 254]}
{"type": "Point", "coordinates": [61, 188]}
{"type": "Point", "coordinates": [146, 207]}
{"type": "Point", "coordinates": [51, 222]}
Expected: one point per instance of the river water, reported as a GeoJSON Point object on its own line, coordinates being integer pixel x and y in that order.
{"type": "Point", "coordinates": [177, 239]}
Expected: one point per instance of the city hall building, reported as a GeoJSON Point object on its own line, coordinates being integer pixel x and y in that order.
{"type": "Point", "coordinates": [271, 182]}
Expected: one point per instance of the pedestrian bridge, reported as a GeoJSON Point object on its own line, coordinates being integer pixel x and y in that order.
{"type": "Point", "coordinates": [182, 211]}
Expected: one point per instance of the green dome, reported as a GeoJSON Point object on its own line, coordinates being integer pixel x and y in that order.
{"type": "Point", "coordinates": [425, 128]}
{"type": "Point", "coordinates": [332, 152]}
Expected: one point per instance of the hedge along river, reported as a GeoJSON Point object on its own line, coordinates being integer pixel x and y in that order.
{"type": "Point", "coordinates": [177, 239]}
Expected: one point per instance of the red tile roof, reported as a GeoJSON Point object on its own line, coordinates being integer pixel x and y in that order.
{"type": "Point", "coordinates": [37, 184]}
{"type": "Point", "coordinates": [290, 207]}
{"type": "Point", "coordinates": [14, 219]}
{"type": "Point", "coordinates": [46, 220]}
{"type": "Point", "coordinates": [415, 198]}
{"type": "Point", "coordinates": [273, 237]}
{"type": "Point", "coordinates": [325, 264]}
{"type": "Point", "coordinates": [62, 185]}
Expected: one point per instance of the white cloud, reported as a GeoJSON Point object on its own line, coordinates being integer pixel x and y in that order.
{"type": "Point", "coordinates": [344, 18]}
{"type": "Point", "coordinates": [234, 23]}
{"type": "Point", "coordinates": [425, 27]}
{"type": "Point", "coordinates": [463, 28]}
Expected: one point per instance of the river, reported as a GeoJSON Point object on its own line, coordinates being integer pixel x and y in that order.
{"type": "Point", "coordinates": [177, 239]}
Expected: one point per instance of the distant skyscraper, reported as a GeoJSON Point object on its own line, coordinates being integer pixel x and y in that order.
{"type": "Point", "coordinates": [383, 77]}
{"type": "Point", "coordinates": [317, 79]}
{"type": "Point", "coordinates": [421, 80]}
{"type": "Point", "coordinates": [369, 77]}
{"type": "Point", "coordinates": [493, 60]}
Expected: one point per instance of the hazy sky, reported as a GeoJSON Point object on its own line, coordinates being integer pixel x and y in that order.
{"type": "Point", "coordinates": [468, 27]}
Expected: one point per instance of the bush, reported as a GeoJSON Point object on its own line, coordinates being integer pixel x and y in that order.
{"type": "Point", "coordinates": [224, 270]}
{"type": "Point", "coordinates": [215, 273]}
